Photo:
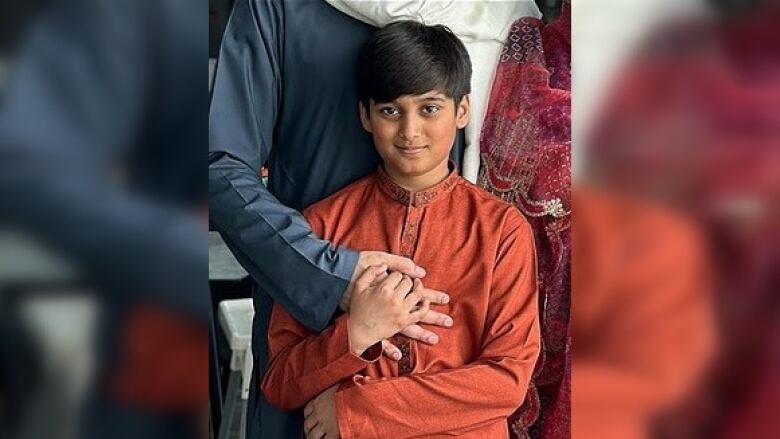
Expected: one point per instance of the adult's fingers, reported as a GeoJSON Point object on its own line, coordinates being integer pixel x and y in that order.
{"type": "Point", "coordinates": [436, 297]}
{"type": "Point", "coordinates": [402, 264]}
{"type": "Point", "coordinates": [437, 318]}
{"type": "Point", "coordinates": [418, 333]}
{"type": "Point", "coordinates": [391, 351]}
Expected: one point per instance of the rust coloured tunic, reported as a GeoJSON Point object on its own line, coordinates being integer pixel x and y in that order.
{"type": "Point", "coordinates": [475, 247]}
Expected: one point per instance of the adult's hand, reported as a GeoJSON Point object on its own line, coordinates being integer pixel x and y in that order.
{"type": "Point", "coordinates": [419, 333]}
{"type": "Point", "coordinates": [319, 416]}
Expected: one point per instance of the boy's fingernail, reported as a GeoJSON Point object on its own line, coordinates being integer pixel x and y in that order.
{"type": "Point", "coordinates": [448, 322]}
{"type": "Point", "coordinates": [419, 271]}
{"type": "Point", "coordinates": [445, 298]}
{"type": "Point", "coordinates": [397, 355]}
{"type": "Point", "coordinates": [433, 339]}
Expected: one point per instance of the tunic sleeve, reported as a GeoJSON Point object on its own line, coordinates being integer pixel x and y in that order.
{"type": "Point", "coordinates": [302, 364]}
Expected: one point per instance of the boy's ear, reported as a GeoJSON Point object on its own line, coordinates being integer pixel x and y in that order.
{"type": "Point", "coordinates": [364, 119]}
{"type": "Point", "coordinates": [463, 112]}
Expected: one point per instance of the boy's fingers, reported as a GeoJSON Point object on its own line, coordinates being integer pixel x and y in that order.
{"type": "Point", "coordinates": [417, 315]}
{"type": "Point", "coordinates": [308, 410]}
{"type": "Point", "coordinates": [403, 287]}
{"type": "Point", "coordinates": [437, 318]}
{"type": "Point", "coordinates": [309, 424]}
{"type": "Point", "coordinates": [391, 281]}
{"type": "Point", "coordinates": [379, 279]}
{"type": "Point", "coordinates": [368, 276]}
{"type": "Point", "coordinates": [418, 333]}
{"type": "Point", "coordinates": [318, 432]}
{"type": "Point", "coordinates": [413, 298]}
{"type": "Point", "coordinates": [390, 350]}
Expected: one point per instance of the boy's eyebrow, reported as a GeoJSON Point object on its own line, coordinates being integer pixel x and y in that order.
{"type": "Point", "coordinates": [428, 97]}
{"type": "Point", "coordinates": [437, 98]}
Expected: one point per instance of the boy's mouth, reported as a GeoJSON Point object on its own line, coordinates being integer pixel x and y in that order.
{"type": "Point", "coordinates": [411, 150]}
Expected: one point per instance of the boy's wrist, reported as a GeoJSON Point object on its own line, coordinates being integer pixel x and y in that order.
{"type": "Point", "coordinates": [359, 342]}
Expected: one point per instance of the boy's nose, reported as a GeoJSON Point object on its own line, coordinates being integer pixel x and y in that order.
{"type": "Point", "coordinates": [410, 129]}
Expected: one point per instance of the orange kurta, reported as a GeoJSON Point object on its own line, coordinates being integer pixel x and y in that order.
{"type": "Point", "coordinates": [475, 247]}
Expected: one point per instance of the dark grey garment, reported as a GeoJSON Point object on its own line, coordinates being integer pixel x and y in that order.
{"type": "Point", "coordinates": [285, 95]}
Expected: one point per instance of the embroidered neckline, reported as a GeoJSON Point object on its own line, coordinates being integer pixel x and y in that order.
{"type": "Point", "coordinates": [421, 198]}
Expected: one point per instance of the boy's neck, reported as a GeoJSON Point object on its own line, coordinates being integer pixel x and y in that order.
{"type": "Point", "coordinates": [418, 183]}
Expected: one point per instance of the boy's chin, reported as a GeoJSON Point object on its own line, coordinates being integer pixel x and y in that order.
{"type": "Point", "coordinates": [409, 168]}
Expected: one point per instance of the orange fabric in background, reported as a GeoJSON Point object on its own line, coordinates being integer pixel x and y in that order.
{"type": "Point", "coordinates": [164, 361]}
{"type": "Point", "coordinates": [642, 316]}
{"type": "Point", "coordinates": [479, 250]}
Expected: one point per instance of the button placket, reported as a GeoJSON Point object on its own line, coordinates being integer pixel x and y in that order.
{"type": "Point", "coordinates": [409, 236]}
{"type": "Point", "coordinates": [410, 231]}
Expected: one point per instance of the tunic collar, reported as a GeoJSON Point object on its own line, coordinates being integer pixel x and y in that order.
{"type": "Point", "coordinates": [421, 198]}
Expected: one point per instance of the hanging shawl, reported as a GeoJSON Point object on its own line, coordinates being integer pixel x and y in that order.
{"type": "Point", "coordinates": [525, 158]}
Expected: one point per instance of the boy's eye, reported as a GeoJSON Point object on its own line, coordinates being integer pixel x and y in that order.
{"type": "Point", "coordinates": [389, 111]}
{"type": "Point", "coordinates": [430, 109]}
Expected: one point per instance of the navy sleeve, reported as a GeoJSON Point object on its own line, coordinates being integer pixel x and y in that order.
{"type": "Point", "coordinates": [273, 242]}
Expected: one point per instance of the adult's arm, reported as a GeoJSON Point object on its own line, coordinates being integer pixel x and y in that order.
{"type": "Point", "coordinates": [274, 243]}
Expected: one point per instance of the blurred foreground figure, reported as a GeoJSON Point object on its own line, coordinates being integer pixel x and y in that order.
{"type": "Point", "coordinates": [103, 159]}
{"type": "Point", "coordinates": [641, 317]}
{"type": "Point", "coordinates": [691, 125]}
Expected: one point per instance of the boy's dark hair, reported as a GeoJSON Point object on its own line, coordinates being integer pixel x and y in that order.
{"type": "Point", "coordinates": [409, 58]}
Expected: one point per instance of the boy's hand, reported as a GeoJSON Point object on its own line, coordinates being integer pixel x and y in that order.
{"type": "Point", "coordinates": [394, 263]}
{"type": "Point", "coordinates": [319, 416]}
{"type": "Point", "coordinates": [436, 297]}
{"type": "Point", "coordinates": [381, 306]}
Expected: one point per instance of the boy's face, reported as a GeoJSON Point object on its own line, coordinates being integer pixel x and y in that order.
{"type": "Point", "coordinates": [414, 133]}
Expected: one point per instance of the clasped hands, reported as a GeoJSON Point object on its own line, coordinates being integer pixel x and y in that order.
{"type": "Point", "coordinates": [380, 305]}
{"type": "Point", "coordinates": [370, 273]}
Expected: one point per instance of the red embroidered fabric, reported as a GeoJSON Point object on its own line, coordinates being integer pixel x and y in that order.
{"type": "Point", "coordinates": [525, 153]}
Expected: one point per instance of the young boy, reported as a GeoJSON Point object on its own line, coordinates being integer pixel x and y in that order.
{"type": "Point", "coordinates": [413, 84]}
